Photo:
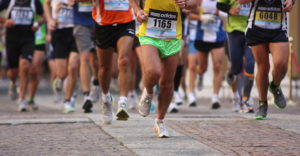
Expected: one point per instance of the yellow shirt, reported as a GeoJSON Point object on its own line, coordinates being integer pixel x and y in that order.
{"type": "Point", "coordinates": [164, 20]}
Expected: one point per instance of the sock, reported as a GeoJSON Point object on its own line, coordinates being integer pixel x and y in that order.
{"type": "Point", "coordinates": [272, 85]}
{"type": "Point", "coordinates": [248, 84]}
{"type": "Point", "coordinates": [95, 82]}
{"type": "Point", "coordinates": [86, 93]}
{"type": "Point", "coordinates": [236, 95]}
{"type": "Point", "coordinates": [177, 77]}
{"type": "Point", "coordinates": [105, 97]}
{"type": "Point", "coordinates": [123, 99]}
{"type": "Point", "coordinates": [31, 99]}
{"type": "Point", "coordinates": [215, 98]}
{"type": "Point", "coordinates": [159, 120]}
{"type": "Point", "coordinates": [263, 102]}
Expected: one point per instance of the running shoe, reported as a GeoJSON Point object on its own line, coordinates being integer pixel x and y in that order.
{"type": "Point", "coordinates": [262, 110]}
{"type": "Point", "coordinates": [22, 105]}
{"type": "Point", "coordinates": [68, 107]}
{"type": "Point", "coordinates": [107, 109]}
{"type": "Point", "coordinates": [215, 102]}
{"type": "Point", "coordinates": [32, 105]}
{"type": "Point", "coordinates": [160, 129]}
{"type": "Point", "coordinates": [122, 113]}
{"type": "Point", "coordinates": [87, 104]}
{"type": "Point", "coordinates": [12, 91]}
{"type": "Point", "coordinates": [236, 104]}
{"type": "Point", "coordinates": [95, 93]}
{"type": "Point", "coordinates": [132, 100]}
{"type": "Point", "coordinates": [215, 105]}
{"type": "Point", "coordinates": [144, 104]}
{"type": "Point", "coordinates": [173, 108]}
{"type": "Point", "coordinates": [279, 99]}
{"type": "Point", "coordinates": [247, 106]}
{"type": "Point", "coordinates": [192, 100]}
{"type": "Point", "coordinates": [177, 98]}
{"type": "Point", "coordinates": [57, 85]}
{"type": "Point", "coordinates": [200, 82]}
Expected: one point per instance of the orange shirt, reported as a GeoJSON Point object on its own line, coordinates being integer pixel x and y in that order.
{"type": "Point", "coordinates": [109, 12]}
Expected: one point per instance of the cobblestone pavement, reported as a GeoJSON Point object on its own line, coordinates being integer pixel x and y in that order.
{"type": "Point", "coordinates": [69, 139]}
{"type": "Point", "coordinates": [241, 137]}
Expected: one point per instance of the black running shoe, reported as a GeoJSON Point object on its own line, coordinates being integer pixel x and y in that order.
{"type": "Point", "coordinates": [87, 105]}
{"type": "Point", "coordinates": [262, 110]}
{"type": "Point", "coordinates": [193, 104]}
{"type": "Point", "coordinates": [279, 99]}
{"type": "Point", "coordinates": [215, 105]}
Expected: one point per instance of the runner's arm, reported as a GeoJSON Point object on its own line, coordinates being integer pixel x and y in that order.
{"type": "Point", "coordinates": [223, 7]}
{"type": "Point", "coordinates": [3, 6]}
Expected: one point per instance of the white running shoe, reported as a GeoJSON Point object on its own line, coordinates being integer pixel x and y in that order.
{"type": "Point", "coordinates": [122, 113]}
{"type": "Point", "coordinates": [192, 100]}
{"type": "Point", "coordinates": [145, 103]}
{"type": "Point", "coordinates": [132, 100]}
{"type": "Point", "coordinates": [173, 108]}
{"type": "Point", "coordinates": [177, 98]}
{"type": "Point", "coordinates": [68, 107]}
{"type": "Point", "coordinates": [22, 105]}
{"type": "Point", "coordinates": [12, 91]}
{"type": "Point", "coordinates": [236, 102]}
{"type": "Point", "coordinates": [95, 93]}
{"type": "Point", "coordinates": [57, 85]}
{"type": "Point", "coordinates": [107, 108]}
{"type": "Point", "coordinates": [160, 129]}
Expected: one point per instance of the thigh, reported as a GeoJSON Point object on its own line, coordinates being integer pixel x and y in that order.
{"type": "Point", "coordinates": [124, 46]}
{"type": "Point", "coordinates": [105, 57]}
{"type": "Point", "coordinates": [217, 55]}
{"type": "Point", "coordinates": [261, 53]}
{"type": "Point", "coordinates": [27, 49]}
{"type": "Point", "coordinates": [150, 58]}
{"type": "Point", "coordinates": [169, 66]}
{"type": "Point", "coordinates": [279, 52]}
{"type": "Point", "coordinates": [192, 60]}
{"type": "Point", "coordinates": [13, 53]}
{"type": "Point", "coordinates": [236, 48]}
{"type": "Point", "coordinates": [203, 59]}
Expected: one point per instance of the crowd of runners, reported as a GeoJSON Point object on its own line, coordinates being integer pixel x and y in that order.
{"type": "Point", "coordinates": [166, 41]}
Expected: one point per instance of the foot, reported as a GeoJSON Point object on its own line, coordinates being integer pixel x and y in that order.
{"type": "Point", "coordinates": [279, 99]}
{"type": "Point", "coordinates": [236, 104]}
{"type": "Point", "coordinates": [32, 105]}
{"type": "Point", "coordinates": [22, 105]}
{"type": "Point", "coordinates": [12, 91]}
{"type": "Point", "coordinates": [107, 109]}
{"type": "Point", "coordinates": [122, 113]}
{"type": "Point", "coordinates": [87, 104]}
{"type": "Point", "coordinates": [247, 106]}
{"type": "Point", "coordinates": [177, 98]}
{"type": "Point", "coordinates": [173, 108]}
{"type": "Point", "coordinates": [160, 129]}
{"type": "Point", "coordinates": [68, 107]}
{"type": "Point", "coordinates": [95, 93]}
{"type": "Point", "coordinates": [215, 105]}
{"type": "Point", "coordinates": [132, 101]}
{"type": "Point", "coordinates": [145, 104]}
{"type": "Point", "coordinates": [192, 100]}
{"type": "Point", "coordinates": [262, 110]}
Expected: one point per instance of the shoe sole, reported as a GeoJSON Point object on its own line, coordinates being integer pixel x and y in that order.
{"type": "Point", "coordinates": [159, 136]}
{"type": "Point", "coordinates": [122, 115]}
{"type": "Point", "coordinates": [194, 104]}
{"type": "Point", "coordinates": [215, 106]}
{"type": "Point", "coordinates": [259, 118]}
{"type": "Point", "coordinates": [88, 105]}
{"type": "Point", "coordinates": [141, 113]}
{"type": "Point", "coordinates": [22, 110]}
{"type": "Point", "coordinates": [69, 111]}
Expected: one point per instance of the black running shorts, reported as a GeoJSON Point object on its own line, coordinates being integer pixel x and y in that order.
{"type": "Point", "coordinates": [206, 47]}
{"type": "Point", "coordinates": [255, 36]}
{"type": "Point", "coordinates": [107, 36]}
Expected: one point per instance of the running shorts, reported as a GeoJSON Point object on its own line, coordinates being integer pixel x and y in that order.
{"type": "Point", "coordinates": [41, 47]}
{"type": "Point", "coordinates": [165, 47]}
{"type": "Point", "coordinates": [84, 37]}
{"type": "Point", "coordinates": [63, 43]}
{"type": "Point", "coordinates": [206, 47]}
{"type": "Point", "coordinates": [191, 47]}
{"type": "Point", "coordinates": [136, 42]}
{"type": "Point", "coordinates": [107, 36]}
{"type": "Point", "coordinates": [255, 36]}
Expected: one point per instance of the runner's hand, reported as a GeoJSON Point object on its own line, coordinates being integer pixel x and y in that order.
{"type": "Point", "coordinates": [181, 3]}
{"type": "Point", "coordinates": [35, 27]}
{"type": "Point", "coordinates": [51, 25]}
{"type": "Point", "coordinates": [234, 10]}
{"type": "Point", "coordinates": [9, 23]}
{"type": "Point", "coordinates": [288, 5]}
{"type": "Point", "coordinates": [207, 18]}
{"type": "Point", "coordinates": [141, 16]}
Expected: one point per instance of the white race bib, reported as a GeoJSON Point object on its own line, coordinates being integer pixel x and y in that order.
{"type": "Point", "coordinates": [268, 20]}
{"type": "Point", "coordinates": [85, 6]}
{"type": "Point", "coordinates": [22, 15]}
{"type": "Point", "coordinates": [65, 15]}
{"type": "Point", "coordinates": [116, 5]}
{"type": "Point", "coordinates": [245, 9]}
{"type": "Point", "coordinates": [212, 26]}
{"type": "Point", "coordinates": [162, 24]}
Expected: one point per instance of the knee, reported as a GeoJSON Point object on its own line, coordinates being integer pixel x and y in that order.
{"type": "Point", "coordinates": [24, 65]}
{"type": "Point", "coordinates": [33, 71]}
{"type": "Point", "coordinates": [166, 86]}
{"type": "Point", "coordinates": [72, 68]}
{"type": "Point", "coordinates": [217, 67]}
{"type": "Point", "coordinates": [152, 74]}
{"type": "Point", "coordinates": [84, 58]}
{"type": "Point", "coordinates": [263, 68]}
{"type": "Point", "coordinates": [123, 62]}
{"type": "Point", "coordinates": [280, 65]}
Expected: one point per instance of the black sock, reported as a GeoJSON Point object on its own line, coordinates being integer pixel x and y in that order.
{"type": "Point", "coordinates": [248, 83]}
{"type": "Point", "coordinates": [86, 93]}
{"type": "Point", "coordinates": [67, 100]}
{"type": "Point", "coordinates": [177, 78]}
{"type": "Point", "coordinates": [95, 82]}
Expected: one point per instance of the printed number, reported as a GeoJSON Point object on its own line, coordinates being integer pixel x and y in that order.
{"type": "Point", "coordinates": [21, 14]}
{"type": "Point", "coordinates": [65, 12]}
{"type": "Point", "coordinates": [162, 23]}
{"type": "Point", "coordinates": [268, 15]}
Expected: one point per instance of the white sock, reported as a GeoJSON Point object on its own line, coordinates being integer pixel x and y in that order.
{"type": "Point", "coordinates": [105, 97]}
{"type": "Point", "coordinates": [158, 120]}
{"type": "Point", "coordinates": [215, 98]}
{"type": "Point", "coordinates": [191, 97]}
{"type": "Point", "coordinates": [236, 95]}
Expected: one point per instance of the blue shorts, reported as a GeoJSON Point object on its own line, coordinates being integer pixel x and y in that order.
{"type": "Point", "coordinates": [192, 49]}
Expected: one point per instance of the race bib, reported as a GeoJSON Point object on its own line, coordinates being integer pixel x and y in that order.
{"type": "Point", "coordinates": [162, 24]}
{"type": "Point", "coordinates": [22, 15]}
{"type": "Point", "coordinates": [245, 9]}
{"type": "Point", "coordinates": [268, 20]}
{"type": "Point", "coordinates": [65, 15]}
{"type": "Point", "coordinates": [212, 26]}
{"type": "Point", "coordinates": [116, 5]}
{"type": "Point", "coordinates": [85, 6]}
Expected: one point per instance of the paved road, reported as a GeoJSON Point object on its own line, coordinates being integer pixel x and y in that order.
{"type": "Point", "coordinates": [196, 131]}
